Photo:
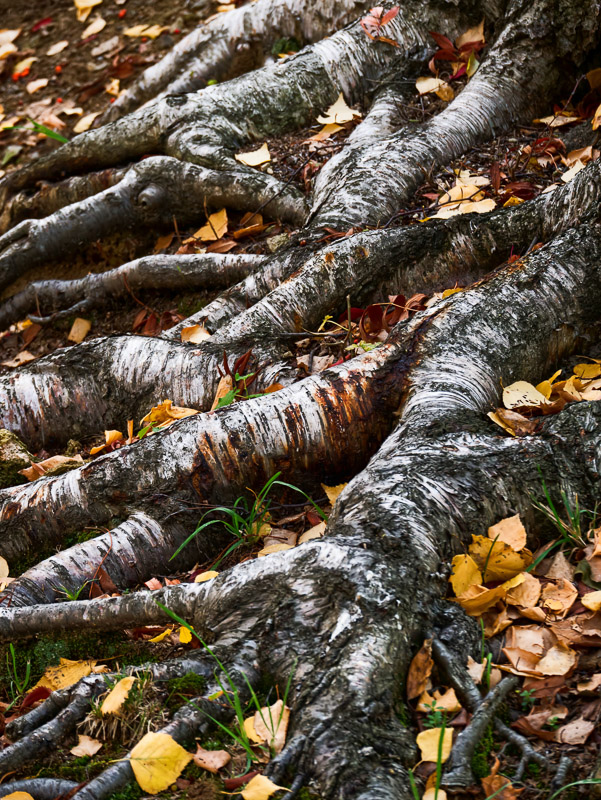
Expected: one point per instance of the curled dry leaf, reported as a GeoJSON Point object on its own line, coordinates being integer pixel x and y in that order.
{"type": "Point", "coordinates": [55, 465]}
{"type": "Point", "coordinates": [86, 746]}
{"type": "Point", "coordinates": [420, 670]}
{"type": "Point", "coordinates": [499, 786]}
{"type": "Point", "coordinates": [558, 597]}
{"type": "Point", "coordinates": [157, 761]}
{"type": "Point", "coordinates": [195, 334]}
{"type": "Point", "coordinates": [166, 413]}
{"type": "Point", "coordinates": [435, 86]}
{"type": "Point", "coordinates": [110, 437]}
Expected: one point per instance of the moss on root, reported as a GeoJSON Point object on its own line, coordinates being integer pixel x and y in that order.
{"type": "Point", "coordinates": [480, 765]}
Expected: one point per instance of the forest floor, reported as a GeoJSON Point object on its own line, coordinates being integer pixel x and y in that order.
{"type": "Point", "coordinates": [61, 90]}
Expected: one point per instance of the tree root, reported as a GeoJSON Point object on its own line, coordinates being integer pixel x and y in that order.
{"type": "Point", "coordinates": [39, 788]}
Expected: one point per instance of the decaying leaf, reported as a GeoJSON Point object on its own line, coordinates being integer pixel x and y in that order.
{"type": "Point", "coordinates": [55, 465]}
{"type": "Point", "coordinates": [494, 782]}
{"type": "Point", "coordinates": [255, 158]}
{"type": "Point", "coordinates": [166, 413]}
{"type": "Point", "coordinates": [117, 696]}
{"type": "Point", "coordinates": [110, 437]}
{"type": "Point", "coordinates": [211, 760]}
{"type": "Point", "coordinates": [79, 330]}
{"type": "Point", "coordinates": [195, 334]}
{"type": "Point", "coordinates": [428, 743]}
{"type": "Point", "coordinates": [86, 746]}
{"type": "Point", "coordinates": [511, 531]}
{"type": "Point", "coordinates": [436, 86]}
{"type": "Point", "coordinates": [338, 113]}
{"type": "Point", "coordinates": [157, 761]}
{"type": "Point", "coordinates": [420, 670]}
{"type": "Point", "coordinates": [65, 674]}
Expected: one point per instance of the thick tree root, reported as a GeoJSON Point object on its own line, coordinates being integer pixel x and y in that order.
{"type": "Point", "coordinates": [39, 788]}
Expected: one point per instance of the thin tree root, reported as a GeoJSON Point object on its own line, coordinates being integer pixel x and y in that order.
{"type": "Point", "coordinates": [39, 788]}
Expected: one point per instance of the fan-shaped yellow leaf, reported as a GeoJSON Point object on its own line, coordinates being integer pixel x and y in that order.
{"type": "Point", "coordinates": [185, 635]}
{"type": "Point", "coordinates": [255, 158]}
{"type": "Point", "coordinates": [117, 696]}
{"type": "Point", "coordinates": [260, 788]}
{"type": "Point", "coordinates": [511, 531]}
{"type": "Point", "coordinates": [338, 113]}
{"type": "Point", "coordinates": [157, 761]}
{"type": "Point", "coordinates": [465, 574]}
{"type": "Point", "coordinates": [333, 492]}
{"type": "Point", "coordinates": [522, 393]}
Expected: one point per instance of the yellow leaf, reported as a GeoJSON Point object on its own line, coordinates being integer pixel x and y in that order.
{"type": "Point", "coordinates": [522, 393]}
{"type": "Point", "coordinates": [254, 158]}
{"type": "Point", "coordinates": [273, 548]}
{"type": "Point", "coordinates": [475, 34]}
{"type": "Point", "coordinates": [65, 674]}
{"type": "Point", "coordinates": [465, 574]}
{"type": "Point", "coordinates": [477, 599]}
{"type": "Point", "coordinates": [513, 201]}
{"type": "Point", "coordinates": [436, 86]}
{"type": "Point", "coordinates": [18, 796]}
{"type": "Point", "coordinates": [249, 729]}
{"type": "Point", "coordinates": [596, 118]}
{"type": "Point", "coordinates": [328, 130]}
{"type": "Point", "coordinates": [428, 742]}
{"type": "Point", "coordinates": [449, 292]}
{"type": "Point", "coordinates": [162, 635]}
{"type": "Point", "coordinates": [511, 531]}
{"type": "Point", "coordinates": [501, 422]}
{"type": "Point", "coordinates": [587, 372]}
{"type": "Point", "coordinates": [24, 64]}
{"type": "Point", "coordinates": [136, 30]}
{"type": "Point", "coordinates": [592, 600]}
{"type": "Point", "coordinates": [85, 122]}
{"type": "Point", "coordinates": [6, 50]}
{"type": "Point", "coordinates": [195, 334]}
{"type": "Point", "coordinates": [34, 86]}
{"type": "Point", "coordinates": [166, 413]}
{"type": "Point", "coordinates": [333, 492]}
{"type": "Point", "coordinates": [8, 36]}
{"type": "Point", "coordinates": [157, 761]}
{"type": "Point", "coordinates": [185, 635]}
{"type": "Point", "coordinates": [215, 228]}
{"type": "Point", "coordinates": [117, 696]}
{"type": "Point", "coordinates": [84, 8]}
{"type": "Point", "coordinates": [260, 788]}
{"type": "Point", "coordinates": [558, 660]}
{"type": "Point", "coordinates": [86, 746]}
{"type": "Point", "coordinates": [94, 27]}
{"type": "Point", "coordinates": [567, 176]}
{"type": "Point", "coordinates": [271, 724]}
{"type": "Point", "coordinates": [153, 31]}
{"type": "Point", "coordinates": [316, 532]}
{"type": "Point", "coordinates": [338, 113]}
{"type": "Point", "coordinates": [206, 576]}
{"type": "Point", "coordinates": [4, 571]}
{"type": "Point", "coordinates": [498, 561]}
{"type": "Point", "coordinates": [546, 387]}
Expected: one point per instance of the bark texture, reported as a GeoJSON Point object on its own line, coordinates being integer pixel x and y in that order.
{"type": "Point", "coordinates": [408, 419]}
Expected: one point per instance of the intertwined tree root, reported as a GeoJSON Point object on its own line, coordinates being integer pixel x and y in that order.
{"type": "Point", "coordinates": [344, 613]}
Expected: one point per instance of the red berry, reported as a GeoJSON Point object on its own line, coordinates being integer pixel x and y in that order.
{"type": "Point", "coordinates": [144, 38]}
{"type": "Point", "coordinates": [58, 69]}
{"type": "Point", "coordinates": [177, 30]}
{"type": "Point", "coordinates": [112, 100]}
{"type": "Point", "coordinates": [59, 99]}
{"type": "Point", "coordinates": [122, 13]}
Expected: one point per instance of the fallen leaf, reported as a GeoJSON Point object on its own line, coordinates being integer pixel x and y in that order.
{"type": "Point", "coordinates": [57, 48]}
{"type": "Point", "coordinates": [153, 584]}
{"type": "Point", "coordinates": [338, 113]}
{"type": "Point", "coordinates": [24, 357]}
{"type": "Point", "coordinates": [94, 27]}
{"type": "Point", "coordinates": [260, 788]}
{"type": "Point", "coordinates": [117, 696]}
{"type": "Point", "coordinates": [558, 597]}
{"type": "Point", "coordinates": [157, 760]}
{"type": "Point", "coordinates": [211, 760]}
{"type": "Point", "coordinates": [420, 670]}
{"type": "Point", "coordinates": [575, 732]}
{"type": "Point", "coordinates": [273, 548]}
{"type": "Point", "coordinates": [84, 8]}
{"type": "Point", "coordinates": [163, 242]}
{"type": "Point", "coordinates": [7, 35]}
{"type": "Point", "coordinates": [254, 158]}
{"type": "Point", "coordinates": [206, 576]}
{"type": "Point", "coordinates": [185, 635]}
{"type": "Point", "coordinates": [591, 685]}
{"type": "Point", "coordinates": [159, 638]}
{"type": "Point", "coordinates": [493, 784]}
{"type": "Point", "coordinates": [465, 574]}
{"type": "Point", "coordinates": [23, 65]}
{"type": "Point", "coordinates": [522, 393]}
{"type": "Point", "coordinates": [271, 724]}
{"type": "Point", "coordinates": [34, 86]}
{"type": "Point", "coordinates": [558, 660]}
{"type": "Point", "coordinates": [195, 334]}
{"type": "Point", "coordinates": [511, 531]}
{"type": "Point", "coordinates": [225, 385]}
{"type": "Point", "coordinates": [85, 122]}
{"type": "Point", "coordinates": [316, 532]}
{"type": "Point", "coordinates": [428, 743]}
{"type": "Point", "coordinates": [18, 796]}
{"type": "Point", "coordinates": [65, 674]}
{"type": "Point", "coordinates": [527, 594]}
{"type": "Point", "coordinates": [567, 176]}
{"type": "Point", "coordinates": [110, 437]}
{"type": "Point", "coordinates": [79, 330]}
{"type": "Point", "coordinates": [436, 86]}
{"type": "Point", "coordinates": [328, 130]}
{"type": "Point", "coordinates": [591, 600]}
{"type": "Point", "coordinates": [473, 35]}
{"type": "Point", "coordinates": [166, 413]}
{"type": "Point", "coordinates": [7, 50]}
{"type": "Point", "coordinates": [215, 228]}
{"type": "Point", "coordinates": [333, 492]}
{"type": "Point", "coordinates": [478, 599]}
{"type": "Point", "coordinates": [498, 561]}
{"type": "Point", "coordinates": [560, 567]}
{"type": "Point", "coordinates": [476, 669]}
{"type": "Point", "coordinates": [86, 746]}
{"type": "Point", "coordinates": [55, 465]}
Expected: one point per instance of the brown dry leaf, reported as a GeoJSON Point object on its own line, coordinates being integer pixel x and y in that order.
{"type": "Point", "coordinates": [338, 113]}
{"type": "Point", "coordinates": [511, 531]}
{"type": "Point", "coordinates": [195, 334]}
{"type": "Point", "coordinates": [465, 574]}
{"type": "Point", "coordinates": [316, 532]}
{"type": "Point", "coordinates": [558, 660]}
{"type": "Point", "coordinates": [163, 242]}
{"type": "Point", "coordinates": [558, 597]}
{"type": "Point", "coordinates": [596, 551]}
{"type": "Point", "coordinates": [525, 595]}
{"type": "Point", "coordinates": [496, 621]}
{"type": "Point", "coordinates": [560, 568]}
{"type": "Point", "coordinates": [428, 743]}
{"type": "Point", "coordinates": [24, 357]}
{"type": "Point", "coordinates": [478, 599]}
{"type": "Point", "coordinates": [79, 330]}
{"type": "Point", "coordinates": [153, 584]}
{"type": "Point", "coordinates": [579, 630]}
{"type": "Point", "coordinates": [525, 645]}
{"type": "Point", "coordinates": [65, 674]}
{"type": "Point", "coordinates": [447, 700]}
{"type": "Point", "coordinates": [271, 724]}
{"type": "Point", "coordinates": [86, 746]}
{"type": "Point", "coordinates": [85, 122]}
{"type": "Point", "coordinates": [117, 696]}
{"type": "Point", "coordinates": [514, 423]}
{"type": "Point", "coordinates": [575, 732]}
{"type": "Point", "coordinates": [493, 782]}
{"type": "Point", "coordinates": [325, 133]}
{"type": "Point", "coordinates": [54, 464]}
{"type": "Point", "coordinates": [215, 228]}
{"type": "Point", "coordinates": [256, 157]}
{"type": "Point", "coordinates": [591, 685]}
{"type": "Point", "coordinates": [533, 724]}
{"type": "Point", "coordinates": [475, 669]}
{"type": "Point", "coordinates": [157, 761]}
{"type": "Point", "coordinates": [166, 413]}
{"type": "Point", "coordinates": [109, 438]}
{"type": "Point", "coordinates": [273, 548]}
{"type": "Point", "coordinates": [225, 385]}
{"type": "Point", "coordinates": [211, 760]}
{"type": "Point", "coordinates": [498, 561]}
{"type": "Point", "coordinates": [471, 36]}
{"type": "Point", "coordinates": [420, 670]}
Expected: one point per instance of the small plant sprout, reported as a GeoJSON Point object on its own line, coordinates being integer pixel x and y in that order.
{"type": "Point", "coordinates": [244, 521]}
{"type": "Point", "coordinates": [18, 683]}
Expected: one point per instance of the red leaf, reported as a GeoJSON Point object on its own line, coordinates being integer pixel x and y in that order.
{"type": "Point", "coordinates": [41, 693]}
{"type": "Point", "coordinates": [389, 15]}
{"type": "Point", "coordinates": [461, 71]}
{"type": "Point", "coordinates": [356, 313]}
{"type": "Point", "coordinates": [442, 41]}
{"type": "Point", "coordinates": [43, 23]}
{"type": "Point", "coordinates": [235, 783]}
{"type": "Point", "coordinates": [371, 323]}
{"type": "Point", "coordinates": [444, 55]}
